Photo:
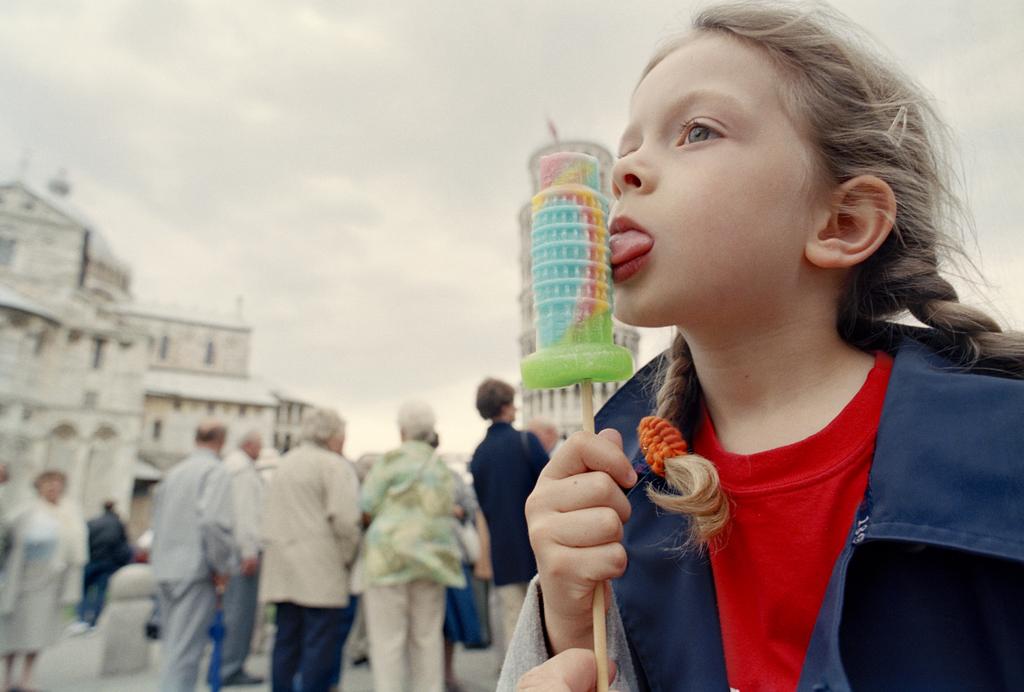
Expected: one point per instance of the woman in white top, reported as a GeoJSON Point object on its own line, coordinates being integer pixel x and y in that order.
{"type": "Point", "coordinates": [42, 573]}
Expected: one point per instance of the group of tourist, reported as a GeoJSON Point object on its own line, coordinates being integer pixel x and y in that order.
{"type": "Point", "coordinates": [402, 551]}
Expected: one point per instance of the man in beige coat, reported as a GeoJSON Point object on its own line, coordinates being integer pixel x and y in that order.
{"type": "Point", "coordinates": [311, 532]}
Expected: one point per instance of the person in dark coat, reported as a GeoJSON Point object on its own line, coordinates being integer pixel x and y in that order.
{"type": "Point", "coordinates": [505, 467]}
{"type": "Point", "coordinates": [109, 550]}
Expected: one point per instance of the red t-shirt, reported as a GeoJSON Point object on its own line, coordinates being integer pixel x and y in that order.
{"type": "Point", "coordinates": [792, 509]}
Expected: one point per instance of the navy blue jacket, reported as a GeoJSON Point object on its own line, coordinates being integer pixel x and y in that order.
{"type": "Point", "coordinates": [928, 592]}
{"type": "Point", "coordinates": [107, 540]}
{"type": "Point", "coordinates": [505, 467]}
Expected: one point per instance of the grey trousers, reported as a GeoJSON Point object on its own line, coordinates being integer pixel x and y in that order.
{"type": "Point", "coordinates": [186, 611]}
{"type": "Point", "coordinates": [240, 609]}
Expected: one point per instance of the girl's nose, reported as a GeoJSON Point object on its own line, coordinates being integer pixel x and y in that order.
{"type": "Point", "coordinates": [627, 175]}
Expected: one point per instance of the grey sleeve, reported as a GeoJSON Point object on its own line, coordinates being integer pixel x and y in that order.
{"type": "Point", "coordinates": [527, 649]}
{"type": "Point", "coordinates": [217, 521]}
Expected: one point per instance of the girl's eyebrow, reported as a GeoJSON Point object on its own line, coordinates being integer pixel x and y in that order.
{"type": "Point", "coordinates": [699, 97]}
{"type": "Point", "coordinates": [688, 101]}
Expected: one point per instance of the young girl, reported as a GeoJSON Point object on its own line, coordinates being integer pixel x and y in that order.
{"type": "Point", "coordinates": [852, 515]}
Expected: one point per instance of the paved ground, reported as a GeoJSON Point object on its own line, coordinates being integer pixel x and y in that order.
{"type": "Point", "coordinates": [72, 665]}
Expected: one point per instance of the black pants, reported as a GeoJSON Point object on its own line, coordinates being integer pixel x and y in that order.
{"type": "Point", "coordinates": [305, 644]}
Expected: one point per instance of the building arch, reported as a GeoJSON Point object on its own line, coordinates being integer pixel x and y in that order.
{"type": "Point", "coordinates": [105, 431]}
{"type": "Point", "coordinates": [62, 443]}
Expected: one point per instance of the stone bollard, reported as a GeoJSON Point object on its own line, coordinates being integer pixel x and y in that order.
{"type": "Point", "coordinates": [122, 624]}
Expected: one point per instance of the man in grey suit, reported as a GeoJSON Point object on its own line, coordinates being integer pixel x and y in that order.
{"type": "Point", "coordinates": [193, 552]}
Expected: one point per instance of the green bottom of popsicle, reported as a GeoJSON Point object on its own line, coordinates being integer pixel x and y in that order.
{"type": "Point", "coordinates": [564, 365]}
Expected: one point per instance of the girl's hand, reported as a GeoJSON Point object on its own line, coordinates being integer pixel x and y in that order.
{"type": "Point", "coordinates": [574, 670]}
{"type": "Point", "coordinates": [575, 516]}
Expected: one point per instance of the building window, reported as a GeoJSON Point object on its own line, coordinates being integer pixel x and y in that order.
{"type": "Point", "coordinates": [177, 404]}
{"type": "Point", "coordinates": [158, 427]}
{"type": "Point", "coordinates": [209, 353]}
{"type": "Point", "coordinates": [6, 251]}
{"type": "Point", "coordinates": [90, 400]}
{"type": "Point", "coordinates": [98, 346]}
{"type": "Point", "coordinates": [242, 410]}
{"type": "Point", "coordinates": [165, 345]}
{"type": "Point", "coordinates": [210, 407]}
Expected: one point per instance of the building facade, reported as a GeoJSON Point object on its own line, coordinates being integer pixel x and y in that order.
{"type": "Point", "coordinates": [562, 406]}
{"type": "Point", "coordinates": [102, 388]}
{"type": "Point", "coordinates": [197, 367]}
{"type": "Point", "coordinates": [71, 369]}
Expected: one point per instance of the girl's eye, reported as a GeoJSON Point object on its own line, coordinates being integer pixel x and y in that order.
{"type": "Point", "coordinates": [695, 132]}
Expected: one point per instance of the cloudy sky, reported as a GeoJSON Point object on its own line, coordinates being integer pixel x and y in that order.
{"type": "Point", "coordinates": [355, 170]}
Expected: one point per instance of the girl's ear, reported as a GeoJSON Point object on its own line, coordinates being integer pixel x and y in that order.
{"type": "Point", "coordinates": [863, 211]}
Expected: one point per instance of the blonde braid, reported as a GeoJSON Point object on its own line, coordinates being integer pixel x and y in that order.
{"type": "Point", "coordinates": [699, 493]}
{"type": "Point", "coordinates": [904, 275]}
{"type": "Point", "coordinates": [965, 334]}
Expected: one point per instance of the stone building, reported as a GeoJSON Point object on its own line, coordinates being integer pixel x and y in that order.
{"type": "Point", "coordinates": [562, 406]}
{"type": "Point", "coordinates": [71, 368]}
{"type": "Point", "coordinates": [100, 387]}
{"type": "Point", "coordinates": [197, 367]}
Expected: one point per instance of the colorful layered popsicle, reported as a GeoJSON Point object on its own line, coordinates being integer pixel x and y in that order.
{"type": "Point", "coordinates": [572, 282]}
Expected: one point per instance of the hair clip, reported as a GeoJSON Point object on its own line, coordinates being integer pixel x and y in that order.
{"type": "Point", "coordinates": [898, 123]}
{"type": "Point", "coordinates": [659, 441]}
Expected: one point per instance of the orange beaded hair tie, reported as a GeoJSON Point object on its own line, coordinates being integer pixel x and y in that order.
{"type": "Point", "coordinates": [660, 440]}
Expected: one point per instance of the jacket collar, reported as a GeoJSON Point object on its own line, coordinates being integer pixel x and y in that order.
{"type": "Point", "coordinates": [947, 468]}
{"type": "Point", "coordinates": [633, 400]}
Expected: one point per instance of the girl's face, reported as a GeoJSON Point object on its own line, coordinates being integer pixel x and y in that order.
{"type": "Point", "coordinates": [714, 194]}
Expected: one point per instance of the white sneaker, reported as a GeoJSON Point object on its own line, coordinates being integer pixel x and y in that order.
{"type": "Point", "coordinates": [76, 628]}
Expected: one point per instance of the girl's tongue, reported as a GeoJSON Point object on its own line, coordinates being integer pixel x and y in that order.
{"type": "Point", "coordinates": [629, 245]}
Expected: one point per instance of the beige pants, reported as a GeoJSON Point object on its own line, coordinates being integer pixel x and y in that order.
{"type": "Point", "coordinates": [511, 597]}
{"type": "Point", "coordinates": [405, 623]}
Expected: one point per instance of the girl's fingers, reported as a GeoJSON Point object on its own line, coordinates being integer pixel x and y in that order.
{"type": "Point", "coordinates": [583, 528]}
{"type": "Point", "coordinates": [584, 452]}
{"type": "Point", "coordinates": [573, 670]}
{"type": "Point", "coordinates": [584, 567]}
{"type": "Point", "coordinates": [591, 489]}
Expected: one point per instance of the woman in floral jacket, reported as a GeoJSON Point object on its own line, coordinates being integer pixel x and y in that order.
{"type": "Point", "coordinates": [411, 556]}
